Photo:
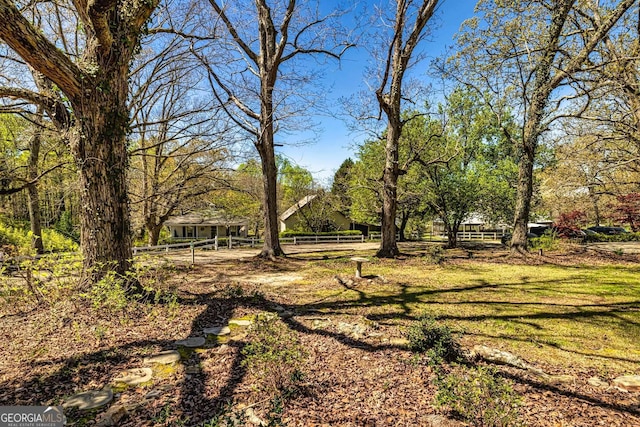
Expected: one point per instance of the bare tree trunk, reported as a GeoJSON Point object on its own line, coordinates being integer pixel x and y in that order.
{"type": "Point", "coordinates": [403, 226]}
{"type": "Point", "coordinates": [99, 147]}
{"type": "Point", "coordinates": [265, 142]}
{"type": "Point", "coordinates": [542, 88]}
{"type": "Point", "coordinates": [389, 96]}
{"type": "Point", "coordinates": [153, 231]}
{"type": "Point", "coordinates": [452, 236]}
{"type": "Point", "coordinates": [544, 84]}
{"type": "Point", "coordinates": [271, 247]}
{"type": "Point", "coordinates": [388, 245]}
{"type": "Point", "coordinates": [595, 200]}
{"type": "Point", "coordinates": [32, 188]}
{"type": "Point", "coordinates": [524, 192]}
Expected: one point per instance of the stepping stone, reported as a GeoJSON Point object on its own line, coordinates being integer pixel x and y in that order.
{"type": "Point", "coordinates": [134, 376]}
{"type": "Point", "coordinates": [89, 399]}
{"type": "Point", "coordinates": [260, 316]}
{"type": "Point", "coordinates": [440, 421]}
{"type": "Point", "coordinates": [597, 382]}
{"type": "Point", "coordinates": [162, 358]}
{"type": "Point", "coordinates": [218, 330]}
{"type": "Point", "coordinates": [192, 342]}
{"type": "Point", "coordinates": [240, 322]}
{"type": "Point", "coordinates": [628, 382]}
{"type": "Point", "coordinates": [555, 379]}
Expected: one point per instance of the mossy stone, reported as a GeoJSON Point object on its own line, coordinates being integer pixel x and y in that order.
{"type": "Point", "coordinates": [89, 399]}
{"type": "Point", "coordinates": [218, 330]}
{"type": "Point", "coordinates": [240, 322]}
{"type": "Point", "coordinates": [192, 342]}
{"type": "Point", "coordinates": [162, 358]}
{"type": "Point", "coordinates": [134, 377]}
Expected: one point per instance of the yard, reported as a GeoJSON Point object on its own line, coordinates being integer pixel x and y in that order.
{"type": "Point", "coordinates": [335, 351]}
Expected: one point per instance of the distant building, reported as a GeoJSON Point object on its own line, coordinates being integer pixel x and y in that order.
{"type": "Point", "coordinates": [206, 226]}
{"type": "Point", "coordinates": [474, 223]}
{"type": "Point", "coordinates": [294, 218]}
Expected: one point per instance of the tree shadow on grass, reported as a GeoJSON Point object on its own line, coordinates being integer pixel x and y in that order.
{"type": "Point", "coordinates": [201, 396]}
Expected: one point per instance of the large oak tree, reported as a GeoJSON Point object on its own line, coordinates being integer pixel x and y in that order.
{"type": "Point", "coordinates": [93, 111]}
{"type": "Point", "coordinates": [530, 56]}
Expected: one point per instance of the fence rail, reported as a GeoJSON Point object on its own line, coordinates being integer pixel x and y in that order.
{"type": "Point", "coordinates": [234, 242]}
{"type": "Point", "coordinates": [480, 235]}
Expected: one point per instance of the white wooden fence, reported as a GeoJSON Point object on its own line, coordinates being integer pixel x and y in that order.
{"type": "Point", "coordinates": [234, 242]}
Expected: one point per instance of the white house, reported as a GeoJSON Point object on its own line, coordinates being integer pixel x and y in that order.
{"type": "Point", "coordinates": [206, 226]}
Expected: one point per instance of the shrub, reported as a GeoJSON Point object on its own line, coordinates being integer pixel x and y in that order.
{"type": "Point", "coordinates": [274, 356]}
{"type": "Point", "coordinates": [437, 340]}
{"type": "Point", "coordinates": [57, 242]}
{"type": "Point", "coordinates": [15, 238]}
{"type": "Point", "coordinates": [434, 254]}
{"type": "Point", "coordinates": [479, 396]}
{"type": "Point", "coordinates": [623, 237]}
{"type": "Point", "coordinates": [109, 293]}
{"type": "Point", "coordinates": [548, 242]}
{"type": "Point", "coordinates": [19, 240]}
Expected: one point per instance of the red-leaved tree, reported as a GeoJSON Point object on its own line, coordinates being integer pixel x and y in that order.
{"type": "Point", "coordinates": [568, 223]}
{"type": "Point", "coordinates": [627, 210]}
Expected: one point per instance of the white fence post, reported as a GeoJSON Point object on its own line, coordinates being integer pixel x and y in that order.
{"type": "Point", "coordinates": [215, 243]}
{"type": "Point", "coordinates": [230, 242]}
{"type": "Point", "coordinates": [193, 253]}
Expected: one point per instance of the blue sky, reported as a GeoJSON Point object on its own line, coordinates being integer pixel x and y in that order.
{"type": "Point", "coordinates": [334, 142]}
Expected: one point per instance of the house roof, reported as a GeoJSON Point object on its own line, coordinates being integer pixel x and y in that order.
{"type": "Point", "coordinates": [205, 219]}
{"type": "Point", "coordinates": [471, 219]}
{"type": "Point", "coordinates": [296, 207]}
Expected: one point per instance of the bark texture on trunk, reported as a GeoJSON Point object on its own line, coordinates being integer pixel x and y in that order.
{"type": "Point", "coordinates": [405, 38]}
{"type": "Point", "coordinates": [32, 188]}
{"type": "Point", "coordinates": [388, 244]}
{"type": "Point", "coordinates": [271, 247]}
{"type": "Point", "coordinates": [452, 236]}
{"type": "Point", "coordinates": [542, 87]}
{"type": "Point", "coordinates": [99, 147]}
{"type": "Point", "coordinates": [269, 60]}
{"type": "Point", "coordinates": [544, 83]}
{"type": "Point", "coordinates": [94, 113]}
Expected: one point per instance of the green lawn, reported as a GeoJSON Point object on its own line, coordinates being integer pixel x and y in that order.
{"type": "Point", "coordinates": [577, 316]}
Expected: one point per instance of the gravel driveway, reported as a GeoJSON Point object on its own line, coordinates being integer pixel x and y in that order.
{"type": "Point", "coordinates": [210, 256]}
